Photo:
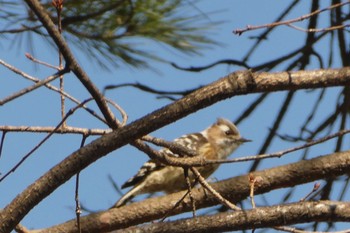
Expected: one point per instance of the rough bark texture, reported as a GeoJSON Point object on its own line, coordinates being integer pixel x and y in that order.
{"type": "Point", "coordinates": [237, 83]}
{"type": "Point", "coordinates": [234, 189]}
{"type": "Point", "coordinates": [271, 216]}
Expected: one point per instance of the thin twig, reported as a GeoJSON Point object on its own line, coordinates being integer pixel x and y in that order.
{"type": "Point", "coordinates": [115, 185]}
{"type": "Point", "coordinates": [189, 188]}
{"type": "Point", "coordinates": [253, 181]}
{"type": "Point", "coordinates": [250, 109]}
{"type": "Point", "coordinates": [264, 35]}
{"type": "Point", "coordinates": [220, 198]}
{"type": "Point", "coordinates": [31, 88]}
{"type": "Point", "coordinates": [287, 22]}
{"type": "Point", "coordinates": [201, 68]}
{"type": "Point", "coordinates": [148, 89]}
{"type": "Point", "coordinates": [69, 113]}
{"type": "Point", "coordinates": [295, 230]}
{"type": "Point", "coordinates": [18, 71]}
{"type": "Point", "coordinates": [71, 62]}
{"type": "Point", "coordinates": [275, 126]}
{"type": "Point", "coordinates": [251, 193]}
{"type": "Point", "coordinates": [283, 152]}
{"type": "Point", "coordinates": [58, 4]}
{"type": "Point", "coordinates": [315, 188]}
{"type": "Point", "coordinates": [337, 27]}
{"type": "Point", "coordinates": [48, 129]}
{"type": "Point", "coordinates": [23, 29]}
{"type": "Point", "coordinates": [51, 87]}
{"type": "Point", "coordinates": [2, 141]}
{"type": "Point", "coordinates": [195, 161]}
{"type": "Point", "coordinates": [121, 110]}
{"type": "Point", "coordinates": [175, 206]}
{"type": "Point", "coordinates": [77, 202]}
{"type": "Point", "coordinates": [33, 59]}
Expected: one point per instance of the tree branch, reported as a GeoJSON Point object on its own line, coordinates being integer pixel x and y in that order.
{"type": "Point", "coordinates": [263, 217]}
{"type": "Point", "coordinates": [234, 189]}
{"type": "Point", "coordinates": [71, 62]}
{"type": "Point", "coordinates": [33, 87]}
{"type": "Point", "coordinates": [49, 86]}
{"type": "Point", "coordinates": [237, 83]}
{"type": "Point", "coordinates": [288, 22]}
{"type": "Point", "coordinates": [49, 129]}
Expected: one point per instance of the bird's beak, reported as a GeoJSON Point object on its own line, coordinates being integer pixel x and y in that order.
{"type": "Point", "coordinates": [243, 140]}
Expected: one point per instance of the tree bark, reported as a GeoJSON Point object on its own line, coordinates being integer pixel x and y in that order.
{"type": "Point", "coordinates": [235, 189]}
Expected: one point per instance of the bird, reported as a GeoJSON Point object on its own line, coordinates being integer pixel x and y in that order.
{"type": "Point", "coordinates": [217, 141]}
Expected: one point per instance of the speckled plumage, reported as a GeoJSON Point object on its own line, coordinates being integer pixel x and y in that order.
{"type": "Point", "coordinates": [216, 142]}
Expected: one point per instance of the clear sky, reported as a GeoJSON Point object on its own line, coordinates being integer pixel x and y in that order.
{"type": "Point", "coordinates": [41, 108]}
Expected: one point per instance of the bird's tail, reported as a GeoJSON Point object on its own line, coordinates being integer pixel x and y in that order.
{"type": "Point", "coordinates": [128, 196]}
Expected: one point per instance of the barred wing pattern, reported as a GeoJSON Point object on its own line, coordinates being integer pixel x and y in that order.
{"type": "Point", "coordinates": [191, 141]}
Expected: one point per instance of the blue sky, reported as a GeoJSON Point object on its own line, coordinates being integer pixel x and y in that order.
{"type": "Point", "coordinates": [41, 108]}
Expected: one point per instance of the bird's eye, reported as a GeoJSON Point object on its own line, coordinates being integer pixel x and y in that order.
{"type": "Point", "coordinates": [229, 132]}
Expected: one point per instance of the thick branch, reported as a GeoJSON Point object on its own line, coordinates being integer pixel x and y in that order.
{"type": "Point", "coordinates": [238, 83]}
{"type": "Point", "coordinates": [300, 212]}
{"type": "Point", "coordinates": [72, 63]}
{"type": "Point", "coordinates": [235, 189]}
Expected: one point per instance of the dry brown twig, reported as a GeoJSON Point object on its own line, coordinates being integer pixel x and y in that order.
{"type": "Point", "coordinates": [189, 189]}
{"type": "Point", "coordinates": [206, 186]}
{"type": "Point", "coordinates": [35, 60]}
{"type": "Point", "coordinates": [218, 196]}
{"type": "Point", "coordinates": [253, 181]}
{"type": "Point", "coordinates": [76, 197]}
{"type": "Point", "coordinates": [48, 129]}
{"type": "Point", "coordinates": [69, 113]}
{"type": "Point", "coordinates": [289, 22]}
{"type": "Point", "coordinates": [295, 230]}
{"type": "Point", "coordinates": [121, 111]}
{"type": "Point", "coordinates": [58, 4]}
{"type": "Point", "coordinates": [49, 86]}
{"type": "Point", "coordinates": [45, 82]}
{"type": "Point", "coordinates": [31, 88]}
{"type": "Point", "coordinates": [195, 161]}
{"type": "Point", "coordinates": [315, 188]}
{"type": "Point", "coordinates": [175, 206]}
{"type": "Point", "coordinates": [337, 27]}
{"type": "Point", "coordinates": [283, 152]}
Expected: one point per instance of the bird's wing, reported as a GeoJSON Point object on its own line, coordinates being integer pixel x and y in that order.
{"type": "Point", "coordinates": [147, 168]}
{"type": "Point", "coordinates": [190, 141]}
